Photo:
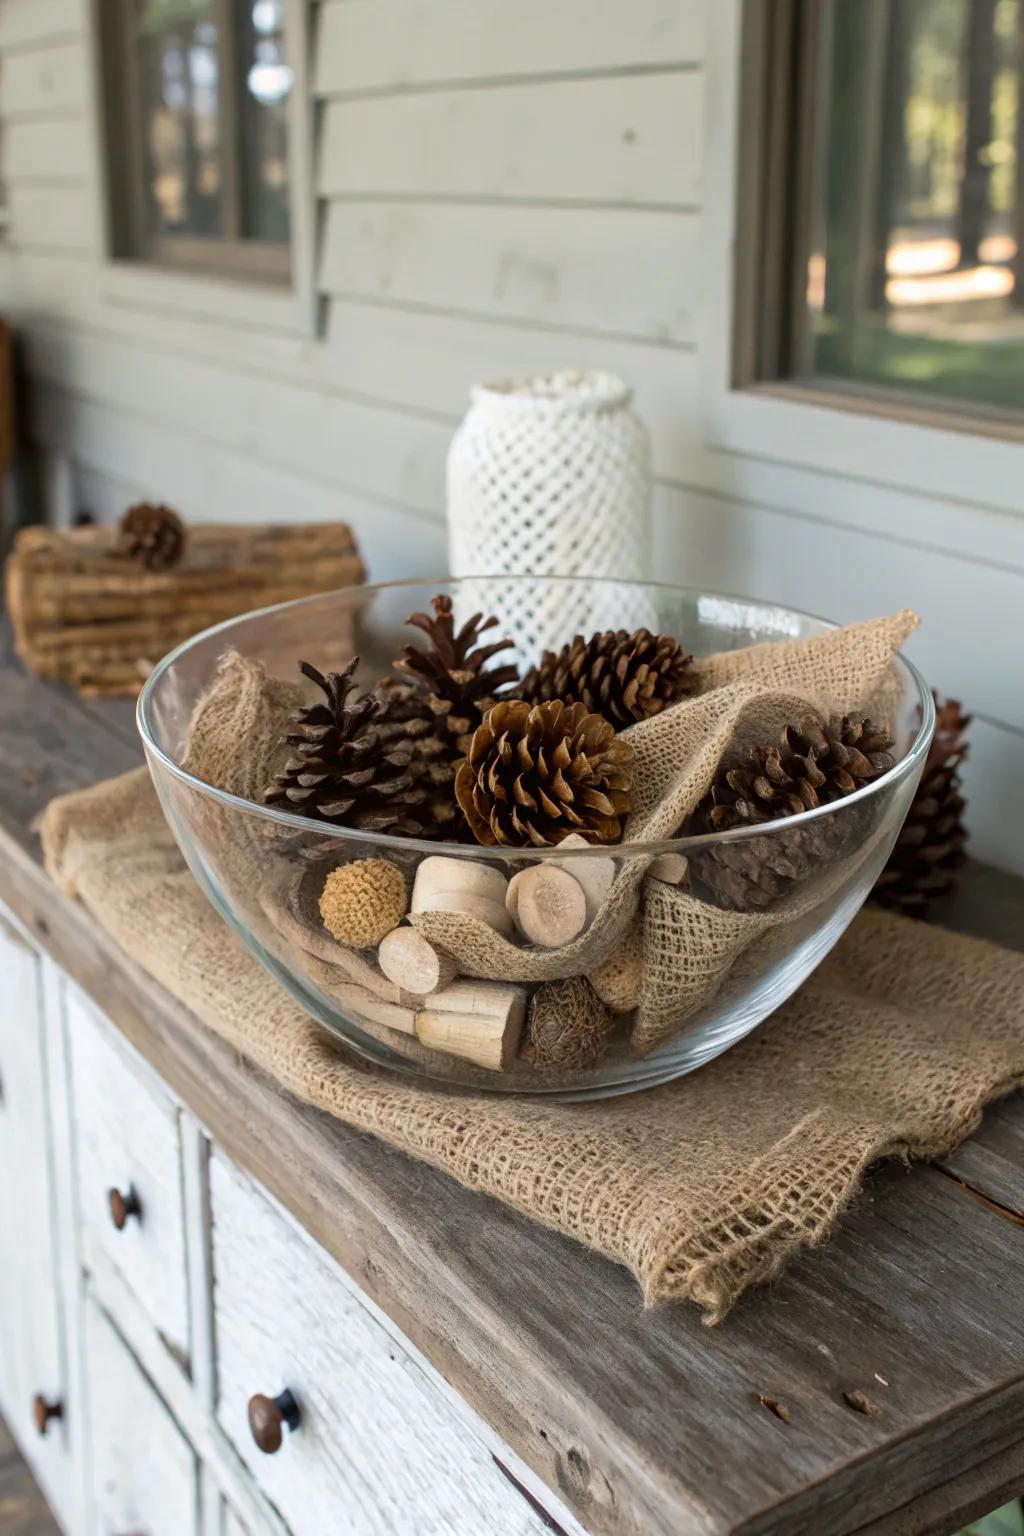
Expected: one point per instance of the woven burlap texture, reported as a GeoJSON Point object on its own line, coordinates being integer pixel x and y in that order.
{"type": "Point", "coordinates": [702, 1187]}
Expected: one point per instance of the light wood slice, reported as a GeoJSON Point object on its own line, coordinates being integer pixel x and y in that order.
{"type": "Point", "coordinates": [413, 963]}
{"type": "Point", "coordinates": [548, 905]}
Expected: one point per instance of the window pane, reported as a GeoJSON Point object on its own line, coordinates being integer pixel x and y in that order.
{"type": "Point", "coordinates": [915, 280]}
{"type": "Point", "coordinates": [265, 86]}
{"type": "Point", "coordinates": [177, 42]}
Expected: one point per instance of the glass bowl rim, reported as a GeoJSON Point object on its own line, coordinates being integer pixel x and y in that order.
{"type": "Point", "coordinates": [438, 847]}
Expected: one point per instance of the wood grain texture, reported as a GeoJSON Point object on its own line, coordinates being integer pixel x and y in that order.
{"type": "Point", "coordinates": [377, 1449]}
{"type": "Point", "coordinates": [144, 1470]}
{"type": "Point", "coordinates": [576, 141]}
{"type": "Point", "coordinates": [363, 46]}
{"type": "Point", "coordinates": [630, 1416]}
{"type": "Point", "coordinates": [562, 266]}
{"type": "Point", "coordinates": [127, 1138]}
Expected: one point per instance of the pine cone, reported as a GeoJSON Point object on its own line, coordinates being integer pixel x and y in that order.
{"type": "Point", "coordinates": [814, 765]}
{"type": "Point", "coordinates": [406, 720]}
{"type": "Point", "coordinates": [343, 771]}
{"type": "Point", "coordinates": [534, 775]}
{"type": "Point", "coordinates": [930, 847]}
{"type": "Point", "coordinates": [453, 686]}
{"type": "Point", "coordinates": [624, 677]}
{"type": "Point", "coordinates": [152, 535]}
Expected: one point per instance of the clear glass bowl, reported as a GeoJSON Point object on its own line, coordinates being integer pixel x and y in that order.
{"type": "Point", "coordinates": [263, 868]}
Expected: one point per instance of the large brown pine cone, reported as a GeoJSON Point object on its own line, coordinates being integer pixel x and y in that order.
{"type": "Point", "coordinates": [451, 683]}
{"type": "Point", "coordinates": [930, 848]}
{"type": "Point", "coordinates": [813, 765]}
{"type": "Point", "coordinates": [152, 535]}
{"type": "Point", "coordinates": [343, 770]}
{"type": "Point", "coordinates": [624, 677]}
{"type": "Point", "coordinates": [534, 775]}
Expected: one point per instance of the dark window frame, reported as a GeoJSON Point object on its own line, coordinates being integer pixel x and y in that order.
{"type": "Point", "coordinates": [131, 237]}
{"type": "Point", "coordinates": [780, 167]}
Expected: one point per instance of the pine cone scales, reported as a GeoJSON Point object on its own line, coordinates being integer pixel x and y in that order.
{"type": "Point", "coordinates": [343, 771]}
{"type": "Point", "coordinates": [812, 766]}
{"type": "Point", "coordinates": [534, 775]}
{"type": "Point", "coordinates": [152, 535]}
{"type": "Point", "coordinates": [454, 685]}
{"type": "Point", "coordinates": [624, 677]}
{"type": "Point", "coordinates": [930, 847]}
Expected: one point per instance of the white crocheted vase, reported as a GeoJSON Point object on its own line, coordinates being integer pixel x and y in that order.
{"type": "Point", "coordinates": [549, 476]}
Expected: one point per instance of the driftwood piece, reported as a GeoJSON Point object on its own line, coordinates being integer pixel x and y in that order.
{"type": "Point", "coordinates": [481, 1021]}
{"type": "Point", "coordinates": [413, 963]}
{"type": "Point", "coordinates": [83, 615]}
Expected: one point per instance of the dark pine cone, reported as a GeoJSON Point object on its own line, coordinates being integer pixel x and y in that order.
{"type": "Point", "coordinates": [343, 771]}
{"type": "Point", "coordinates": [534, 775]}
{"type": "Point", "coordinates": [450, 683]}
{"type": "Point", "coordinates": [930, 847]}
{"type": "Point", "coordinates": [814, 765]}
{"type": "Point", "coordinates": [624, 677]}
{"type": "Point", "coordinates": [152, 535]}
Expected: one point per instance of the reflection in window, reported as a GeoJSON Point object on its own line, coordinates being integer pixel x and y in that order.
{"type": "Point", "coordinates": [178, 46]}
{"type": "Point", "coordinates": [916, 268]}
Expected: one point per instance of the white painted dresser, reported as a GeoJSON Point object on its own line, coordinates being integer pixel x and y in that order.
{"type": "Point", "coordinates": [160, 1313]}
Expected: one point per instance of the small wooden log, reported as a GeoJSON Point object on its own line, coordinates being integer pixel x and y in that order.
{"type": "Point", "coordinates": [477, 1020]}
{"type": "Point", "coordinates": [412, 962]}
{"type": "Point", "coordinates": [373, 1008]}
{"type": "Point", "coordinates": [548, 905]}
{"type": "Point", "coordinates": [594, 872]}
{"type": "Point", "coordinates": [83, 615]}
{"type": "Point", "coordinates": [462, 885]}
{"type": "Point", "coordinates": [672, 868]}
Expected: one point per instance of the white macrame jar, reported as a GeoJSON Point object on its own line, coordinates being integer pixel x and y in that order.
{"type": "Point", "coordinates": [550, 476]}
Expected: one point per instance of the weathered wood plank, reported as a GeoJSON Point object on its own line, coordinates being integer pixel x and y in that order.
{"type": "Point", "coordinates": [576, 141]}
{"type": "Point", "coordinates": [572, 267]}
{"type": "Point", "coordinates": [362, 45]}
{"type": "Point", "coordinates": [45, 80]}
{"type": "Point", "coordinates": [632, 1416]}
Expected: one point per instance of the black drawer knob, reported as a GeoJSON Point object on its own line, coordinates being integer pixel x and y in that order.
{"type": "Point", "coordinates": [268, 1418]}
{"type": "Point", "coordinates": [123, 1206]}
{"type": "Point", "coordinates": [43, 1410]}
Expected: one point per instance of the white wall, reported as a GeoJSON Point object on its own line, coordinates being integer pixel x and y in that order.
{"type": "Point", "coordinates": [504, 185]}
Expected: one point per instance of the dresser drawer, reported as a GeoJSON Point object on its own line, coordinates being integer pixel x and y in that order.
{"type": "Point", "coordinates": [129, 1172]}
{"type": "Point", "coordinates": [32, 1363]}
{"type": "Point", "coordinates": [379, 1449]}
{"type": "Point", "coordinates": [145, 1475]}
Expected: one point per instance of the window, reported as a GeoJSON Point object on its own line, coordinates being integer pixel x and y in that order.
{"type": "Point", "coordinates": [197, 134]}
{"type": "Point", "coordinates": [881, 252]}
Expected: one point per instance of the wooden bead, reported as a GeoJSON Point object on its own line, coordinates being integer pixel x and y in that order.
{"type": "Point", "coordinates": [548, 905]}
{"type": "Point", "coordinates": [462, 885]}
{"type": "Point", "coordinates": [362, 901]}
{"type": "Point", "coordinates": [594, 872]}
{"type": "Point", "coordinates": [412, 962]}
{"type": "Point", "coordinates": [481, 1021]}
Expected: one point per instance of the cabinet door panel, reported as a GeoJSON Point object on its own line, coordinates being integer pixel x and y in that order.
{"type": "Point", "coordinates": [31, 1342]}
{"type": "Point", "coordinates": [144, 1472]}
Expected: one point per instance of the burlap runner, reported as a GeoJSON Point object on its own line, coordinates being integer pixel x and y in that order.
{"type": "Point", "coordinates": [702, 1187]}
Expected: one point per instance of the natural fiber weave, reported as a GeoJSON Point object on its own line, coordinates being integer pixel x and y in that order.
{"type": "Point", "coordinates": [702, 1187]}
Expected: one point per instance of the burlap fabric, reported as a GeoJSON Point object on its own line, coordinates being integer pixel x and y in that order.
{"type": "Point", "coordinates": [702, 1187]}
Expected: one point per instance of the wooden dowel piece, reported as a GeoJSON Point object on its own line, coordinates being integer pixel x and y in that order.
{"type": "Point", "coordinates": [462, 885]}
{"type": "Point", "coordinates": [670, 867]}
{"type": "Point", "coordinates": [373, 1008]}
{"type": "Point", "coordinates": [595, 873]}
{"type": "Point", "coordinates": [548, 905]}
{"type": "Point", "coordinates": [412, 962]}
{"type": "Point", "coordinates": [486, 1033]}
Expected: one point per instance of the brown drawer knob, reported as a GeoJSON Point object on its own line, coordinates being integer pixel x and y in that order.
{"type": "Point", "coordinates": [123, 1206]}
{"type": "Point", "coordinates": [43, 1411]}
{"type": "Point", "coordinates": [268, 1417]}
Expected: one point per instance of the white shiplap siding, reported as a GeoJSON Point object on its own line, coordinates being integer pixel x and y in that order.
{"type": "Point", "coordinates": [503, 185]}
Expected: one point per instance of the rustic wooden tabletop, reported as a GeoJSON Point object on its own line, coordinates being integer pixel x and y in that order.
{"type": "Point", "coordinates": [644, 1422]}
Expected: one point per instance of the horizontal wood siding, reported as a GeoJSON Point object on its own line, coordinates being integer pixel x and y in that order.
{"type": "Point", "coordinates": [605, 271]}
{"type": "Point", "coordinates": [601, 141]}
{"type": "Point", "coordinates": [504, 186]}
{"type": "Point", "coordinates": [367, 46]}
